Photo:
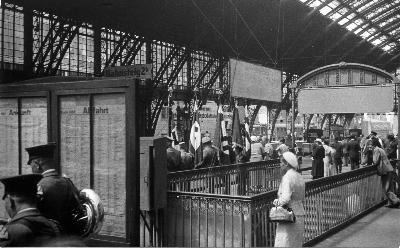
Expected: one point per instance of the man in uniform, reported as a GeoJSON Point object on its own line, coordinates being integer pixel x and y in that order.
{"type": "Point", "coordinates": [27, 226]}
{"type": "Point", "coordinates": [57, 195]}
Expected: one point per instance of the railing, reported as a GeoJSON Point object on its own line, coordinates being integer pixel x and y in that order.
{"type": "Point", "coordinates": [201, 219]}
{"type": "Point", "coordinates": [237, 179]}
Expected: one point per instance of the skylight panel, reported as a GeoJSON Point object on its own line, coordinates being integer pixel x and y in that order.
{"type": "Point", "coordinates": [325, 10]}
{"type": "Point", "coordinates": [335, 16]}
{"type": "Point", "coordinates": [365, 34]}
{"type": "Point", "coordinates": [315, 4]}
{"type": "Point", "coordinates": [343, 21]}
{"type": "Point", "coordinates": [386, 48]}
{"type": "Point", "coordinates": [351, 26]}
{"type": "Point", "coordinates": [334, 4]}
{"type": "Point", "coordinates": [376, 42]}
{"type": "Point", "coordinates": [343, 11]}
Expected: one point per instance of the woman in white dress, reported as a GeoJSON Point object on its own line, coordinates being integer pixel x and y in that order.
{"type": "Point", "coordinates": [327, 158]}
{"type": "Point", "coordinates": [291, 193]}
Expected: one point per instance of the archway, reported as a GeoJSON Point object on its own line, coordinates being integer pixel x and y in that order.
{"type": "Point", "coordinates": [347, 88]}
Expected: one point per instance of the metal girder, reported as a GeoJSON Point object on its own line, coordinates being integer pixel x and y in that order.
{"type": "Point", "coordinates": [44, 42]}
{"type": "Point", "coordinates": [63, 51]}
{"type": "Point", "coordinates": [178, 67]}
{"type": "Point", "coordinates": [252, 115]}
{"type": "Point", "coordinates": [323, 120]}
{"type": "Point", "coordinates": [133, 52]}
{"type": "Point", "coordinates": [284, 101]}
{"type": "Point", "coordinates": [161, 100]}
{"type": "Point", "coordinates": [121, 45]}
{"type": "Point", "coordinates": [213, 79]}
{"type": "Point", "coordinates": [309, 121]}
{"type": "Point", "coordinates": [48, 42]}
{"type": "Point", "coordinates": [336, 119]}
{"type": "Point", "coordinates": [164, 66]}
{"type": "Point", "coordinates": [204, 72]}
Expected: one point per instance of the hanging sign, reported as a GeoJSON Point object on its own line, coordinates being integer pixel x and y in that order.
{"type": "Point", "coordinates": [140, 71]}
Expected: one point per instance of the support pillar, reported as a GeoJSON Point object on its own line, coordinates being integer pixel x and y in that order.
{"type": "Point", "coordinates": [293, 118]}
{"type": "Point", "coordinates": [97, 50]}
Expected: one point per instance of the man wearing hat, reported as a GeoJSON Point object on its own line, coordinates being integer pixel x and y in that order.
{"type": "Point", "coordinates": [211, 154]}
{"type": "Point", "coordinates": [353, 147]}
{"type": "Point", "coordinates": [57, 195]}
{"type": "Point", "coordinates": [27, 225]}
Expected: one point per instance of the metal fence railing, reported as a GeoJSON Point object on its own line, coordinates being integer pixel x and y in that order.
{"type": "Point", "coordinates": [237, 179]}
{"type": "Point", "coordinates": [203, 219]}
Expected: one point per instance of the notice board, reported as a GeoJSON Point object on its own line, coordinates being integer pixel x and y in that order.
{"type": "Point", "coordinates": [330, 100]}
{"type": "Point", "coordinates": [256, 82]}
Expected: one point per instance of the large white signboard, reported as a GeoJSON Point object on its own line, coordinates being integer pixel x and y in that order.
{"type": "Point", "coordinates": [252, 81]}
{"type": "Point", "coordinates": [367, 99]}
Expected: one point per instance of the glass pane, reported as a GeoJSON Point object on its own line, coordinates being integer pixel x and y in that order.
{"type": "Point", "coordinates": [109, 148]}
{"type": "Point", "coordinates": [75, 139]}
{"type": "Point", "coordinates": [8, 142]}
{"type": "Point", "coordinates": [33, 126]}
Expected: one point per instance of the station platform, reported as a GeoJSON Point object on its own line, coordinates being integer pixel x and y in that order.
{"type": "Point", "coordinates": [379, 228]}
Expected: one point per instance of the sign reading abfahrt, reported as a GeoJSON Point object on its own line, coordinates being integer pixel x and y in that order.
{"type": "Point", "coordinates": [142, 71]}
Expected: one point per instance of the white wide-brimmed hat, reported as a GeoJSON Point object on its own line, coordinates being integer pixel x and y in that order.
{"type": "Point", "coordinates": [291, 159]}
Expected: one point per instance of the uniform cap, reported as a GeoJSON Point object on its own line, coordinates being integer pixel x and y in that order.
{"type": "Point", "coordinates": [22, 185]}
{"type": "Point", "coordinates": [373, 132]}
{"type": "Point", "coordinates": [41, 151]}
{"type": "Point", "coordinates": [291, 159]}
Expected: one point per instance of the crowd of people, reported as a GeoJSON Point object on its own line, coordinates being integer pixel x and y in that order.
{"type": "Point", "coordinates": [330, 157]}
{"type": "Point", "coordinates": [179, 158]}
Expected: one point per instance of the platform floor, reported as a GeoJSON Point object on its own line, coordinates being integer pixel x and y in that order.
{"type": "Point", "coordinates": [381, 228]}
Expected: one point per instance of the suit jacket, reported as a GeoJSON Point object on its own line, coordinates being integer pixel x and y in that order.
{"type": "Point", "coordinates": [29, 228]}
{"type": "Point", "coordinates": [58, 198]}
{"type": "Point", "coordinates": [353, 148]}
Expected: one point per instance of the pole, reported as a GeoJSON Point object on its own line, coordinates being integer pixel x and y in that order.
{"type": "Point", "coordinates": [293, 118]}
{"type": "Point", "coordinates": [398, 120]}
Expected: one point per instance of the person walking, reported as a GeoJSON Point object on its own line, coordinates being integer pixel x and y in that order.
{"type": "Point", "coordinates": [318, 160]}
{"type": "Point", "coordinates": [27, 226]}
{"type": "Point", "coordinates": [345, 151]}
{"type": "Point", "coordinates": [337, 158]}
{"type": "Point", "coordinates": [291, 193]}
{"type": "Point", "coordinates": [354, 148]}
{"type": "Point", "coordinates": [57, 195]}
{"type": "Point", "coordinates": [385, 171]}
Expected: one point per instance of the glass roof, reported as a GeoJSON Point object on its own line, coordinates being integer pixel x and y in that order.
{"type": "Point", "coordinates": [376, 21]}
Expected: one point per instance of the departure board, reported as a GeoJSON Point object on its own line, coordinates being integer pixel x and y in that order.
{"type": "Point", "coordinates": [75, 139]}
{"type": "Point", "coordinates": [33, 127]}
{"type": "Point", "coordinates": [8, 142]}
{"type": "Point", "coordinates": [109, 147]}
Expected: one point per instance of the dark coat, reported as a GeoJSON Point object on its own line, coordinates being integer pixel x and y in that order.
{"type": "Point", "coordinates": [58, 199]}
{"type": "Point", "coordinates": [173, 159]}
{"type": "Point", "coordinates": [29, 228]}
{"type": "Point", "coordinates": [353, 147]}
{"type": "Point", "coordinates": [318, 162]}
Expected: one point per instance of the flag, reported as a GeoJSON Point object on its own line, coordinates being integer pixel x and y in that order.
{"type": "Point", "coordinates": [195, 139]}
{"type": "Point", "coordinates": [237, 138]}
{"type": "Point", "coordinates": [220, 137]}
{"type": "Point", "coordinates": [246, 130]}
{"type": "Point", "coordinates": [175, 137]}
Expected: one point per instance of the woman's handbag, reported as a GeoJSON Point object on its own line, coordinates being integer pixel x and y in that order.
{"type": "Point", "coordinates": [282, 214]}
